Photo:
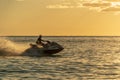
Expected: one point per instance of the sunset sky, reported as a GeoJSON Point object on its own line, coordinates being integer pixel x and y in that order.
{"type": "Point", "coordinates": [60, 17]}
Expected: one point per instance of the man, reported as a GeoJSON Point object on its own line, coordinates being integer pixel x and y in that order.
{"type": "Point", "coordinates": [43, 43]}
{"type": "Point", "coordinates": [39, 41]}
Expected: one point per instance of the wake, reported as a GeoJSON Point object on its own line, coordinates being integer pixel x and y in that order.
{"type": "Point", "coordinates": [9, 48]}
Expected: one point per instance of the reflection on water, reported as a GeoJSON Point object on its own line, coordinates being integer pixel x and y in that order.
{"type": "Point", "coordinates": [84, 58]}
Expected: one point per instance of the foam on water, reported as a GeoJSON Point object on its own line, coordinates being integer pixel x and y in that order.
{"type": "Point", "coordinates": [9, 48]}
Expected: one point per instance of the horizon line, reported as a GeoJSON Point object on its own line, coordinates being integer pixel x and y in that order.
{"type": "Point", "coordinates": [61, 35]}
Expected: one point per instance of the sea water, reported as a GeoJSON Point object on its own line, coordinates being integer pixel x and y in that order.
{"type": "Point", "coordinates": [83, 58]}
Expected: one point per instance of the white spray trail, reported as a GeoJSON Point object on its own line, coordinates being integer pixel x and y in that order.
{"type": "Point", "coordinates": [9, 48]}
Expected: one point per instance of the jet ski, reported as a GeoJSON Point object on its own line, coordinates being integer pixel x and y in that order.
{"type": "Point", "coordinates": [52, 48]}
{"type": "Point", "coordinates": [49, 48]}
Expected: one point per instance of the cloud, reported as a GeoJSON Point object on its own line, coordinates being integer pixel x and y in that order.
{"type": "Point", "coordinates": [96, 4]}
{"type": "Point", "coordinates": [114, 4]}
{"type": "Point", "coordinates": [58, 6]}
{"type": "Point", "coordinates": [112, 9]}
{"type": "Point", "coordinates": [79, 4]}
{"type": "Point", "coordinates": [109, 6]}
{"type": "Point", "coordinates": [113, 0]}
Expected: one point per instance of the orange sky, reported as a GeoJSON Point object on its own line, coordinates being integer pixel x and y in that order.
{"type": "Point", "coordinates": [60, 17]}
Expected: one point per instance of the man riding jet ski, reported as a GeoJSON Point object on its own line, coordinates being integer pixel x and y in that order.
{"type": "Point", "coordinates": [48, 46]}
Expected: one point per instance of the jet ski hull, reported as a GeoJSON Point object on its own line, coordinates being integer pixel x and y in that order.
{"type": "Point", "coordinates": [37, 50]}
{"type": "Point", "coordinates": [52, 51]}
